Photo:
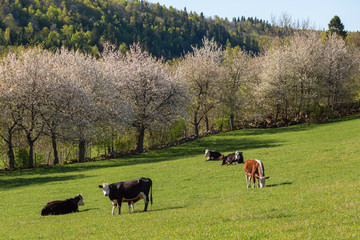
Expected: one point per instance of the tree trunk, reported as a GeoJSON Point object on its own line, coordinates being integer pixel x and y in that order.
{"type": "Point", "coordinates": [11, 155]}
{"type": "Point", "coordinates": [207, 123]}
{"type": "Point", "coordinates": [10, 152]}
{"type": "Point", "coordinates": [56, 157]}
{"type": "Point", "coordinates": [82, 150]}
{"type": "Point", "coordinates": [196, 125]}
{"type": "Point", "coordinates": [140, 140]}
{"type": "Point", "coordinates": [277, 112]}
{"type": "Point", "coordinates": [232, 122]}
{"type": "Point", "coordinates": [31, 153]}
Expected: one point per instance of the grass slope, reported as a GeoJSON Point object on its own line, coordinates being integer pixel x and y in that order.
{"type": "Point", "coordinates": [313, 191]}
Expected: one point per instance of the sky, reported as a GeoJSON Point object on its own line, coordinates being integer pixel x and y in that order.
{"type": "Point", "coordinates": [317, 12]}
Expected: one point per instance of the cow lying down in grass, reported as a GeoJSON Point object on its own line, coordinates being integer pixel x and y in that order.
{"type": "Point", "coordinates": [66, 206]}
{"type": "Point", "coordinates": [213, 155]}
{"type": "Point", "coordinates": [233, 158]}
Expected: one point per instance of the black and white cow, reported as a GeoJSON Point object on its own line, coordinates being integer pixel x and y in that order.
{"type": "Point", "coordinates": [213, 155]}
{"type": "Point", "coordinates": [129, 191]}
{"type": "Point", "coordinates": [233, 158]}
{"type": "Point", "coordinates": [58, 207]}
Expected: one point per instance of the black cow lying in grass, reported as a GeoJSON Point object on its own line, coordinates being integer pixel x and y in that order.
{"type": "Point", "coordinates": [233, 158]}
{"type": "Point", "coordinates": [130, 192]}
{"type": "Point", "coordinates": [69, 205]}
{"type": "Point", "coordinates": [213, 155]}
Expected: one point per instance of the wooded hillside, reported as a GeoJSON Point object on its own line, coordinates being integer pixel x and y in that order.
{"type": "Point", "coordinates": [86, 25]}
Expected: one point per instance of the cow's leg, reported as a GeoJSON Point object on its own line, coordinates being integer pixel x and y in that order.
{"type": "Point", "coordinates": [131, 205]}
{"type": "Point", "coordinates": [113, 209]}
{"type": "Point", "coordinates": [146, 203]}
{"type": "Point", "coordinates": [248, 181]}
{"type": "Point", "coordinates": [146, 200]}
{"type": "Point", "coordinates": [119, 207]}
{"type": "Point", "coordinates": [254, 180]}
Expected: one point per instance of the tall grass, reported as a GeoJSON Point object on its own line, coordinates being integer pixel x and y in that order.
{"type": "Point", "coordinates": [313, 191]}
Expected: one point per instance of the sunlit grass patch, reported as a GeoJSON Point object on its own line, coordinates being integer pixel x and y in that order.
{"type": "Point", "coordinates": [313, 190]}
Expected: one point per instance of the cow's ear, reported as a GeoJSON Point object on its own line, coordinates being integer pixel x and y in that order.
{"type": "Point", "coordinates": [100, 186]}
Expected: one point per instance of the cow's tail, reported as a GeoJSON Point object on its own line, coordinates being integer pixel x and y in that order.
{"type": "Point", "coordinates": [151, 200]}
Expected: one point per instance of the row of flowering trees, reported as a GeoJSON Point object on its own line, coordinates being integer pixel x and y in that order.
{"type": "Point", "coordinates": [307, 72]}
{"type": "Point", "coordinates": [295, 79]}
{"type": "Point", "coordinates": [69, 96]}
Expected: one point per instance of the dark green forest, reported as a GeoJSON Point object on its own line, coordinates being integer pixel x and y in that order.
{"type": "Point", "coordinates": [87, 24]}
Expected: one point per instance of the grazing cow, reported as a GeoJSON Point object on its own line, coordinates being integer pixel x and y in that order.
{"type": "Point", "coordinates": [213, 155]}
{"type": "Point", "coordinates": [235, 158]}
{"type": "Point", "coordinates": [255, 169]}
{"type": "Point", "coordinates": [129, 191]}
{"type": "Point", "coordinates": [69, 205]}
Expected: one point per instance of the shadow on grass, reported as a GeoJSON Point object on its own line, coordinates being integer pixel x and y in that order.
{"type": "Point", "coordinates": [241, 140]}
{"type": "Point", "coordinates": [294, 128]}
{"type": "Point", "coordinates": [23, 181]}
{"type": "Point", "coordinates": [162, 209]}
{"type": "Point", "coordinates": [186, 150]}
{"type": "Point", "coordinates": [261, 131]}
{"type": "Point", "coordinates": [89, 209]}
{"type": "Point", "coordinates": [279, 184]}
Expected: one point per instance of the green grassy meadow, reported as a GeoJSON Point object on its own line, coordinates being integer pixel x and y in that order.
{"type": "Point", "coordinates": [313, 191]}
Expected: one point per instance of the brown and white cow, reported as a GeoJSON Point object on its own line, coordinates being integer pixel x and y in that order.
{"type": "Point", "coordinates": [255, 169]}
{"type": "Point", "coordinates": [66, 206]}
{"type": "Point", "coordinates": [129, 191]}
{"type": "Point", "coordinates": [213, 155]}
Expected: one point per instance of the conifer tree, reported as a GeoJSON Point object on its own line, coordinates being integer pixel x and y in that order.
{"type": "Point", "coordinates": [336, 26]}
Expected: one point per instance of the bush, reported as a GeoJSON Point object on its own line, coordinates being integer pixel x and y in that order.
{"type": "Point", "coordinates": [321, 114]}
{"type": "Point", "coordinates": [222, 123]}
{"type": "Point", "coordinates": [40, 159]}
{"type": "Point", "coordinates": [22, 158]}
{"type": "Point", "coordinates": [125, 143]}
{"type": "Point", "coordinates": [178, 130]}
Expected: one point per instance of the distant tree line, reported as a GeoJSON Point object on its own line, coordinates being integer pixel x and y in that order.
{"type": "Point", "coordinates": [86, 25]}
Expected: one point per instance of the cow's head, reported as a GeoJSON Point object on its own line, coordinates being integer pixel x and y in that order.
{"type": "Point", "coordinates": [262, 181]}
{"type": "Point", "coordinates": [105, 188]}
{"type": "Point", "coordinates": [81, 200]}
{"type": "Point", "coordinates": [239, 156]}
{"type": "Point", "coordinates": [207, 153]}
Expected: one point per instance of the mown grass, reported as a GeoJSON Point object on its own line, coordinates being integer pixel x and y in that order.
{"type": "Point", "coordinates": [313, 191]}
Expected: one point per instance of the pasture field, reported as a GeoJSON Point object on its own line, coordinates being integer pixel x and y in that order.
{"type": "Point", "coordinates": [313, 191]}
